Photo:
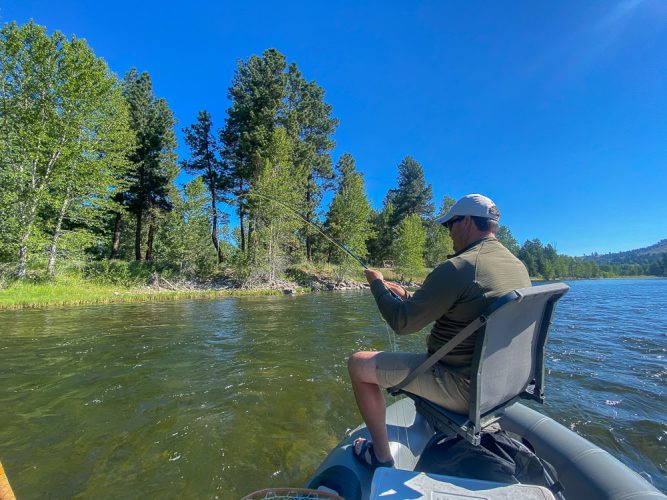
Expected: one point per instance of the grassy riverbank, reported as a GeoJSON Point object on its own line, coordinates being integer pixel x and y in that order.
{"type": "Point", "coordinates": [72, 291]}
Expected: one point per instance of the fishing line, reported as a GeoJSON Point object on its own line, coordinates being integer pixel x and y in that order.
{"type": "Point", "coordinates": [316, 226]}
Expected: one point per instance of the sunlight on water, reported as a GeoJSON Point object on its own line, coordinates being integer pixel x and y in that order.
{"type": "Point", "coordinates": [219, 398]}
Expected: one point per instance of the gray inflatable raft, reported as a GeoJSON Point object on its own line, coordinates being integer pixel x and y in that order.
{"type": "Point", "coordinates": [585, 471]}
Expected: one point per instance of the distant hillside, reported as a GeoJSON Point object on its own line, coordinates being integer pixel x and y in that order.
{"type": "Point", "coordinates": [651, 253]}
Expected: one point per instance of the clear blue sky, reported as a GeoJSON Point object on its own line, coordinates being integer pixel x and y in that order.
{"type": "Point", "coordinates": [556, 110]}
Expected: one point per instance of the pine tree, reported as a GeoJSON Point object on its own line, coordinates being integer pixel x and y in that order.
{"type": "Point", "coordinates": [205, 160]}
{"type": "Point", "coordinates": [185, 235]}
{"type": "Point", "coordinates": [267, 94]}
{"type": "Point", "coordinates": [154, 158]}
{"type": "Point", "coordinates": [413, 195]}
{"type": "Point", "coordinates": [309, 123]}
{"type": "Point", "coordinates": [507, 239]}
{"type": "Point", "coordinates": [348, 219]}
{"type": "Point", "coordinates": [257, 94]}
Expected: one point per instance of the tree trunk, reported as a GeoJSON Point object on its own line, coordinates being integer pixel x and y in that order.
{"type": "Point", "coordinates": [251, 228]}
{"type": "Point", "coordinates": [115, 244]}
{"type": "Point", "coordinates": [51, 266]}
{"type": "Point", "coordinates": [26, 218]}
{"type": "Point", "coordinates": [137, 236]}
{"type": "Point", "coordinates": [23, 257]}
{"type": "Point", "coordinates": [309, 216]}
{"type": "Point", "coordinates": [241, 217]}
{"type": "Point", "coordinates": [151, 231]}
{"type": "Point", "coordinates": [214, 229]}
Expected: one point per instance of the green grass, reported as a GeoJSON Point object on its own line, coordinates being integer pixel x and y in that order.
{"type": "Point", "coordinates": [73, 291]}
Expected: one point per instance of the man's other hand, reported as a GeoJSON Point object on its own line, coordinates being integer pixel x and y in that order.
{"type": "Point", "coordinates": [397, 289]}
{"type": "Point", "coordinates": [372, 275]}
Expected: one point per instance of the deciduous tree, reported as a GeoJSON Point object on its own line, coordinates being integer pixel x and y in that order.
{"type": "Point", "coordinates": [64, 131]}
{"type": "Point", "coordinates": [408, 248]}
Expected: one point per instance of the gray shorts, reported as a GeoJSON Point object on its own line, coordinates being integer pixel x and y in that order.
{"type": "Point", "coordinates": [436, 384]}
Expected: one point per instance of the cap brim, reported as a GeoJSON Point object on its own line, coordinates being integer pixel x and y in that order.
{"type": "Point", "coordinates": [444, 218]}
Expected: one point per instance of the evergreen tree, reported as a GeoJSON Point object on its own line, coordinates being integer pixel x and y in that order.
{"type": "Point", "coordinates": [408, 248]}
{"type": "Point", "coordinates": [185, 235]}
{"type": "Point", "coordinates": [257, 94]}
{"type": "Point", "coordinates": [154, 158]}
{"type": "Point", "coordinates": [413, 195]}
{"type": "Point", "coordinates": [507, 239]}
{"type": "Point", "coordinates": [349, 214]}
{"type": "Point", "coordinates": [267, 94]}
{"type": "Point", "coordinates": [205, 160]}
{"type": "Point", "coordinates": [310, 125]}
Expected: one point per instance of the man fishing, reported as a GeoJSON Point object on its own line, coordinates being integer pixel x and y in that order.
{"type": "Point", "coordinates": [453, 294]}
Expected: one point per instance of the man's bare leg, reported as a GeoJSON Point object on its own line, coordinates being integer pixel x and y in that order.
{"type": "Point", "coordinates": [370, 401]}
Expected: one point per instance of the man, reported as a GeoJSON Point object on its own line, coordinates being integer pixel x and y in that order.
{"type": "Point", "coordinates": [453, 295]}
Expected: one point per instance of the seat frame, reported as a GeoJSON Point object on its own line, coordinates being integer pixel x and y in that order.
{"type": "Point", "coordinates": [470, 426]}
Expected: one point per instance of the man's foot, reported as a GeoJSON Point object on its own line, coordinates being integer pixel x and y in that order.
{"type": "Point", "coordinates": [363, 451]}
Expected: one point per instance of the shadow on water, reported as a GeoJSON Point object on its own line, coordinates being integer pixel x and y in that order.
{"type": "Point", "coordinates": [222, 397]}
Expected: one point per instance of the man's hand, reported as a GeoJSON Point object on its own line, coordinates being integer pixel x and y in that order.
{"type": "Point", "coordinates": [397, 289]}
{"type": "Point", "coordinates": [372, 275]}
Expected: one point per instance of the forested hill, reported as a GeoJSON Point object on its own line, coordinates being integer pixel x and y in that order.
{"type": "Point", "coordinates": [647, 260]}
{"type": "Point", "coordinates": [652, 251]}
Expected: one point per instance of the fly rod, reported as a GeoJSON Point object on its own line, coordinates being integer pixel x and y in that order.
{"type": "Point", "coordinates": [316, 226]}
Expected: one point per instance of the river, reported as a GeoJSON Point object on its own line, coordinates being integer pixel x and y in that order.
{"type": "Point", "coordinates": [217, 398]}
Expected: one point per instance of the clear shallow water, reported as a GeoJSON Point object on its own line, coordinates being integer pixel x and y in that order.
{"type": "Point", "coordinates": [219, 398]}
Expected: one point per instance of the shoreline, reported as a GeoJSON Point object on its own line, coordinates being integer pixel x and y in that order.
{"type": "Point", "coordinates": [33, 296]}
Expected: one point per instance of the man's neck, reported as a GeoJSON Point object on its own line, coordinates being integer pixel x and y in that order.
{"type": "Point", "coordinates": [478, 235]}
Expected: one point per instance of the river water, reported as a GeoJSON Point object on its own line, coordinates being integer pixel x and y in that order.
{"type": "Point", "coordinates": [217, 398]}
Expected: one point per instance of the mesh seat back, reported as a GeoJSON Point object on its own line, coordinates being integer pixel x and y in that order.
{"type": "Point", "coordinates": [509, 347]}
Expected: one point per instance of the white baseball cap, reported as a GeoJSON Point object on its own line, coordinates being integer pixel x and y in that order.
{"type": "Point", "coordinates": [476, 205]}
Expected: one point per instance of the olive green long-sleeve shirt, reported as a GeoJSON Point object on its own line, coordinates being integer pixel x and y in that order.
{"type": "Point", "coordinates": [454, 294]}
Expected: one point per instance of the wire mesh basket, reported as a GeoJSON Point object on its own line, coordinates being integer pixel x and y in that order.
{"type": "Point", "coordinates": [291, 494]}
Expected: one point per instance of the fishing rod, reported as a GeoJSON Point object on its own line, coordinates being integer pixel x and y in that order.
{"type": "Point", "coordinates": [316, 226]}
{"type": "Point", "coordinates": [392, 339]}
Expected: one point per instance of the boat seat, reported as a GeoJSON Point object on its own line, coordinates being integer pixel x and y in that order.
{"type": "Point", "coordinates": [508, 361]}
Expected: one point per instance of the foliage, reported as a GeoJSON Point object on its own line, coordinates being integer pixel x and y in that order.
{"type": "Point", "coordinates": [348, 219]}
{"type": "Point", "coordinates": [507, 239]}
{"type": "Point", "coordinates": [81, 151]}
{"type": "Point", "coordinates": [205, 160]}
{"type": "Point", "coordinates": [413, 195]}
{"type": "Point", "coordinates": [408, 248]}
{"type": "Point", "coordinates": [439, 244]}
{"type": "Point", "coordinates": [184, 234]}
{"type": "Point", "coordinates": [276, 228]}
{"type": "Point", "coordinates": [267, 94]}
{"type": "Point", "coordinates": [379, 246]}
{"type": "Point", "coordinates": [66, 134]}
{"type": "Point", "coordinates": [154, 158]}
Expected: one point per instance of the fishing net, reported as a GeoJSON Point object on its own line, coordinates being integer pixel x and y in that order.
{"type": "Point", "coordinates": [291, 494]}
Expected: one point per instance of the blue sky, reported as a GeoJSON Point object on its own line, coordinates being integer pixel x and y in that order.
{"type": "Point", "coordinates": [556, 110]}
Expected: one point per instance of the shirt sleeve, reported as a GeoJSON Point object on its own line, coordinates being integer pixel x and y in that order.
{"type": "Point", "coordinates": [435, 297]}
